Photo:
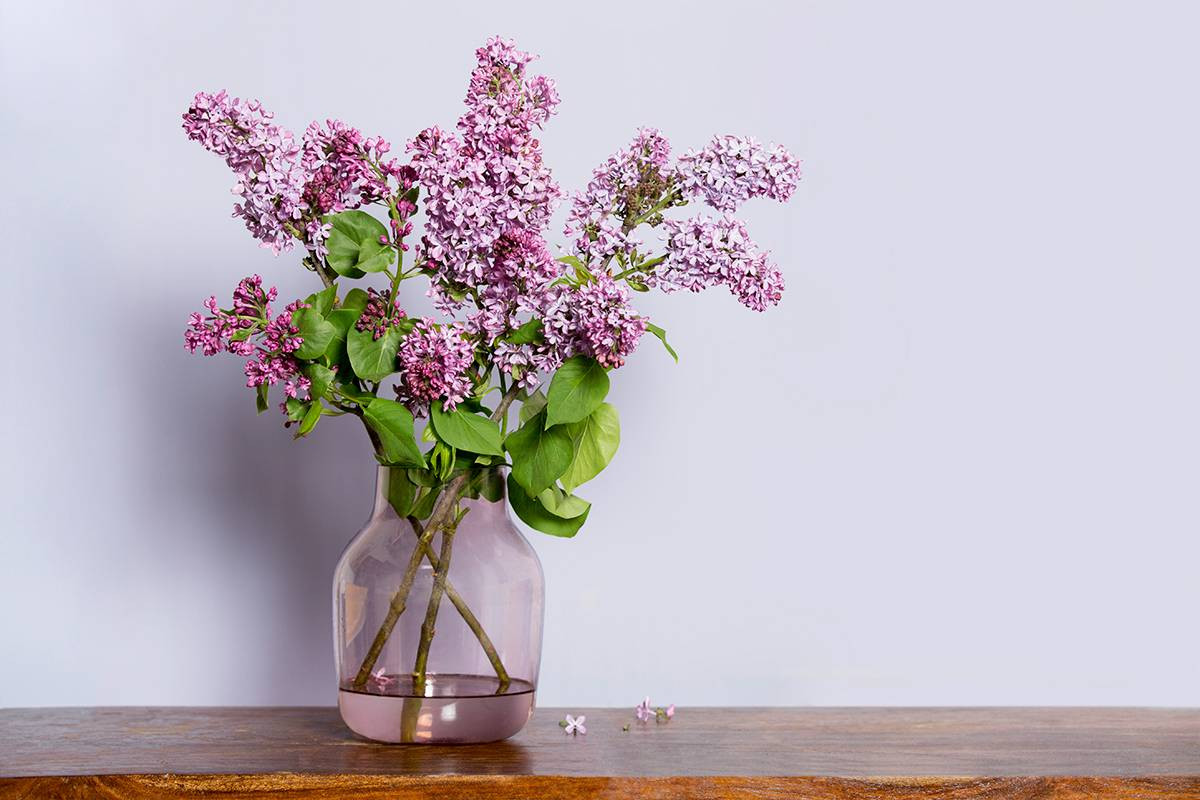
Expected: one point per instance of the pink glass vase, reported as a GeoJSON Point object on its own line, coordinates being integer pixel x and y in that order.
{"type": "Point", "coordinates": [419, 662]}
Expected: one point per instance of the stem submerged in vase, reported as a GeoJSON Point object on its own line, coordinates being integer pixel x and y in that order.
{"type": "Point", "coordinates": [444, 516]}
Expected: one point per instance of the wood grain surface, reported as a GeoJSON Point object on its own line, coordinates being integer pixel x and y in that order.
{"type": "Point", "coordinates": [817, 753]}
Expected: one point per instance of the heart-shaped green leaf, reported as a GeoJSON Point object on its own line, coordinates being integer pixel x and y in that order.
{"type": "Point", "coordinates": [534, 514]}
{"type": "Point", "coordinates": [577, 388]}
{"type": "Point", "coordinates": [466, 431]}
{"type": "Point", "coordinates": [315, 332]}
{"type": "Point", "coordinates": [322, 301]}
{"type": "Point", "coordinates": [321, 376]}
{"type": "Point", "coordinates": [595, 442]}
{"type": "Point", "coordinates": [373, 359]}
{"type": "Point", "coordinates": [355, 247]}
{"type": "Point", "coordinates": [393, 424]}
{"type": "Point", "coordinates": [539, 455]}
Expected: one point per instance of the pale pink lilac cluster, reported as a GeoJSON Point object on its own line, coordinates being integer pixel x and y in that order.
{"type": "Point", "coordinates": [434, 363]}
{"type": "Point", "coordinates": [286, 189]}
{"type": "Point", "coordinates": [705, 252]}
{"type": "Point", "coordinates": [489, 178]}
{"type": "Point", "coordinates": [596, 221]}
{"type": "Point", "coordinates": [733, 169]}
{"type": "Point", "coordinates": [518, 286]}
{"type": "Point", "coordinates": [595, 320]}
{"type": "Point", "coordinates": [248, 329]}
{"type": "Point", "coordinates": [263, 156]}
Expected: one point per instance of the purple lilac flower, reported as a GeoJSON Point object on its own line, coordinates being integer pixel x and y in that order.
{"type": "Point", "coordinates": [264, 157]}
{"type": "Point", "coordinates": [489, 178]}
{"type": "Point", "coordinates": [517, 278]}
{"type": "Point", "coordinates": [377, 317]}
{"type": "Point", "coordinates": [643, 711]}
{"type": "Point", "coordinates": [596, 220]}
{"type": "Point", "coordinates": [703, 252]}
{"type": "Point", "coordinates": [249, 330]}
{"type": "Point", "coordinates": [524, 361]}
{"type": "Point", "coordinates": [347, 170]}
{"type": "Point", "coordinates": [574, 725]}
{"type": "Point", "coordinates": [595, 320]}
{"type": "Point", "coordinates": [273, 361]}
{"type": "Point", "coordinates": [339, 162]}
{"type": "Point", "coordinates": [434, 364]}
{"type": "Point", "coordinates": [732, 169]}
{"type": "Point", "coordinates": [230, 331]}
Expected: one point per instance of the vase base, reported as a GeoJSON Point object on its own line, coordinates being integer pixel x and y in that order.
{"type": "Point", "coordinates": [454, 709]}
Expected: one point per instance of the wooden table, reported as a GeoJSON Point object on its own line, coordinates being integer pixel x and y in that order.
{"type": "Point", "coordinates": [811, 753]}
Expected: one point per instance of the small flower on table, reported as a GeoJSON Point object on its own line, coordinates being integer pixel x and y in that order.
{"type": "Point", "coordinates": [574, 725]}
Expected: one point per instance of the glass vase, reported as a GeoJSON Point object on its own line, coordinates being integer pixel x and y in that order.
{"type": "Point", "coordinates": [432, 656]}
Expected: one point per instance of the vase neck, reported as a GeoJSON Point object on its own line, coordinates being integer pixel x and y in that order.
{"type": "Point", "coordinates": [487, 483]}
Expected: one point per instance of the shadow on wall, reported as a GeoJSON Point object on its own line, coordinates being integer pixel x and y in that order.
{"type": "Point", "coordinates": [270, 515]}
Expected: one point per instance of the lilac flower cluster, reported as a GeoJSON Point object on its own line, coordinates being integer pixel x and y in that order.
{"type": "Point", "coordinates": [596, 222]}
{"type": "Point", "coordinates": [435, 362]}
{"type": "Point", "coordinates": [488, 198]}
{"type": "Point", "coordinates": [490, 177]}
{"type": "Point", "coordinates": [518, 279]}
{"type": "Point", "coordinates": [595, 320]}
{"type": "Point", "coordinates": [264, 157]}
{"type": "Point", "coordinates": [286, 189]}
{"type": "Point", "coordinates": [249, 330]}
{"type": "Point", "coordinates": [345, 170]}
{"type": "Point", "coordinates": [229, 331]}
{"type": "Point", "coordinates": [379, 315]}
{"type": "Point", "coordinates": [703, 252]}
{"type": "Point", "coordinates": [733, 169]}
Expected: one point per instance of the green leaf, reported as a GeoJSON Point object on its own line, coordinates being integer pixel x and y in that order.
{"type": "Point", "coordinates": [295, 409]}
{"type": "Point", "coordinates": [528, 333]}
{"type": "Point", "coordinates": [576, 389]}
{"type": "Point", "coordinates": [314, 330]}
{"type": "Point", "coordinates": [393, 424]}
{"type": "Point", "coordinates": [563, 504]}
{"type": "Point", "coordinates": [322, 301]}
{"type": "Point", "coordinates": [595, 442]}
{"type": "Point", "coordinates": [441, 460]}
{"type": "Point", "coordinates": [532, 406]}
{"type": "Point", "coordinates": [465, 430]}
{"type": "Point", "coordinates": [491, 485]}
{"type": "Point", "coordinates": [311, 418]}
{"type": "Point", "coordinates": [534, 514]}
{"type": "Point", "coordinates": [572, 261]}
{"type": "Point", "coordinates": [539, 455]}
{"type": "Point", "coordinates": [636, 285]}
{"type": "Point", "coordinates": [355, 300]}
{"type": "Point", "coordinates": [401, 494]}
{"type": "Point", "coordinates": [662, 337]}
{"type": "Point", "coordinates": [260, 397]}
{"type": "Point", "coordinates": [321, 376]}
{"type": "Point", "coordinates": [354, 246]}
{"type": "Point", "coordinates": [373, 359]}
{"type": "Point", "coordinates": [342, 319]}
{"type": "Point", "coordinates": [424, 505]}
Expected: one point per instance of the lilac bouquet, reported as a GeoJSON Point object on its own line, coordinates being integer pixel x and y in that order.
{"type": "Point", "coordinates": [518, 323]}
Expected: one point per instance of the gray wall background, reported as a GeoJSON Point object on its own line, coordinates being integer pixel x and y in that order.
{"type": "Point", "coordinates": [958, 465]}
